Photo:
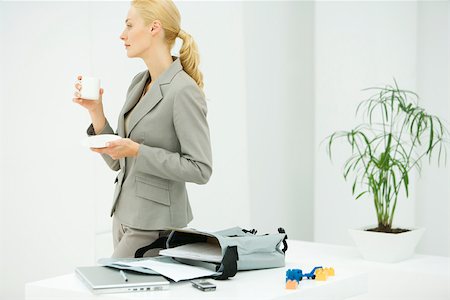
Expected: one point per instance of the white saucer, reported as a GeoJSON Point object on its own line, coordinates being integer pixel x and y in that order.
{"type": "Point", "coordinates": [99, 141]}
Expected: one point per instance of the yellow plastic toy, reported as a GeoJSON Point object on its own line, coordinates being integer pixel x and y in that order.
{"type": "Point", "coordinates": [321, 275]}
{"type": "Point", "coordinates": [324, 273]}
{"type": "Point", "coordinates": [330, 271]}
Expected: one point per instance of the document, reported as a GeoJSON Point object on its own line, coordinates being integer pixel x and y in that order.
{"type": "Point", "coordinates": [197, 251]}
{"type": "Point", "coordinates": [169, 268]}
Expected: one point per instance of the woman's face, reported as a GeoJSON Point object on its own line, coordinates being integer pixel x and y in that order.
{"type": "Point", "coordinates": [136, 36]}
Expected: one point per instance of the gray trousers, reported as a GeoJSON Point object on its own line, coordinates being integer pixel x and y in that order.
{"type": "Point", "coordinates": [127, 240]}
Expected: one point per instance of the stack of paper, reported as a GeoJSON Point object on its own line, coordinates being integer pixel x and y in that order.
{"type": "Point", "coordinates": [167, 267]}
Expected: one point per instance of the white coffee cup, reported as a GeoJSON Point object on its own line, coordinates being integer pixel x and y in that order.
{"type": "Point", "coordinates": [90, 88]}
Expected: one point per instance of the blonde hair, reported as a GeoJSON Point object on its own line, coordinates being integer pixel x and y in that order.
{"type": "Point", "coordinates": [166, 12]}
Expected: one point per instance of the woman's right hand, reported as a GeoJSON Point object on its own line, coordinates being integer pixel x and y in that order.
{"type": "Point", "coordinates": [93, 106]}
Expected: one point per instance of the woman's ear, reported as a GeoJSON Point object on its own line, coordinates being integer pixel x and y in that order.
{"type": "Point", "coordinates": [155, 27]}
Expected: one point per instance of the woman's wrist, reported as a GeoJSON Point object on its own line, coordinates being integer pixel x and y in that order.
{"type": "Point", "coordinates": [98, 121]}
{"type": "Point", "coordinates": [97, 113]}
{"type": "Point", "coordinates": [136, 149]}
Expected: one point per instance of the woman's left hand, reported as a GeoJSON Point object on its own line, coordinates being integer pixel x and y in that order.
{"type": "Point", "coordinates": [119, 149]}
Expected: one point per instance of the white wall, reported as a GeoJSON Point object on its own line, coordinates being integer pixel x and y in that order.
{"type": "Point", "coordinates": [433, 189]}
{"type": "Point", "coordinates": [47, 202]}
{"type": "Point", "coordinates": [358, 45]}
{"type": "Point", "coordinates": [279, 59]}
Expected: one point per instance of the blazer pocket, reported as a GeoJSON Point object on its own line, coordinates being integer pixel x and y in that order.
{"type": "Point", "coordinates": [154, 190]}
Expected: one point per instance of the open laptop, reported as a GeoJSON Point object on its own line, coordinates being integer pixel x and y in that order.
{"type": "Point", "coordinates": [101, 280]}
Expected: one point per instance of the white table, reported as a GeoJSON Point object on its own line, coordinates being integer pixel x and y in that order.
{"type": "Point", "coordinates": [422, 277]}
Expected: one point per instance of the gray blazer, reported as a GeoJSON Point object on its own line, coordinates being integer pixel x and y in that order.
{"type": "Point", "coordinates": [170, 124]}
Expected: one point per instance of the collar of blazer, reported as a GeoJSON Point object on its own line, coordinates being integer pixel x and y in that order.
{"type": "Point", "coordinates": [150, 99]}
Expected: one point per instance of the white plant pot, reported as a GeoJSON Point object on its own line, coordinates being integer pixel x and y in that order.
{"type": "Point", "coordinates": [386, 247]}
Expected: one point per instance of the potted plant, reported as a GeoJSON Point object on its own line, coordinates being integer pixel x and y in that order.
{"type": "Point", "coordinates": [394, 138]}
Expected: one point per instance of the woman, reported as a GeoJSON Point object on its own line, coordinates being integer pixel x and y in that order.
{"type": "Point", "coordinates": [164, 128]}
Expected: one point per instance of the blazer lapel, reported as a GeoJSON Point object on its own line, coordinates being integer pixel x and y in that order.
{"type": "Point", "coordinates": [153, 96]}
{"type": "Point", "coordinates": [150, 99]}
{"type": "Point", "coordinates": [131, 101]}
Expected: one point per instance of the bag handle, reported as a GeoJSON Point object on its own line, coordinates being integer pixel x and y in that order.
{"type": "Point", "coordinates": [253, 231]}
{"type": "Point", "coordinates": [229, 263]}
{"type": "Point", "coordinates": [285, 245]}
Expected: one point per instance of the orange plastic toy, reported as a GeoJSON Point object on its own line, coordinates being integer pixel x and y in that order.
{"type": "Point", "coordinates": [291, 284]}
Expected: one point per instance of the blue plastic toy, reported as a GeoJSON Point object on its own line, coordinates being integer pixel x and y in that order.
{"type": "Point", "coordinates": [294, 274]}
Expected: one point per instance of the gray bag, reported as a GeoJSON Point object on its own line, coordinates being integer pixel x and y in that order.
{"type": "Point", "coordinates": [241, 249]}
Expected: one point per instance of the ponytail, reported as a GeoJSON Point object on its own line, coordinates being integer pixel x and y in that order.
{"type": "Point", "coordinates": [190, 58]}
